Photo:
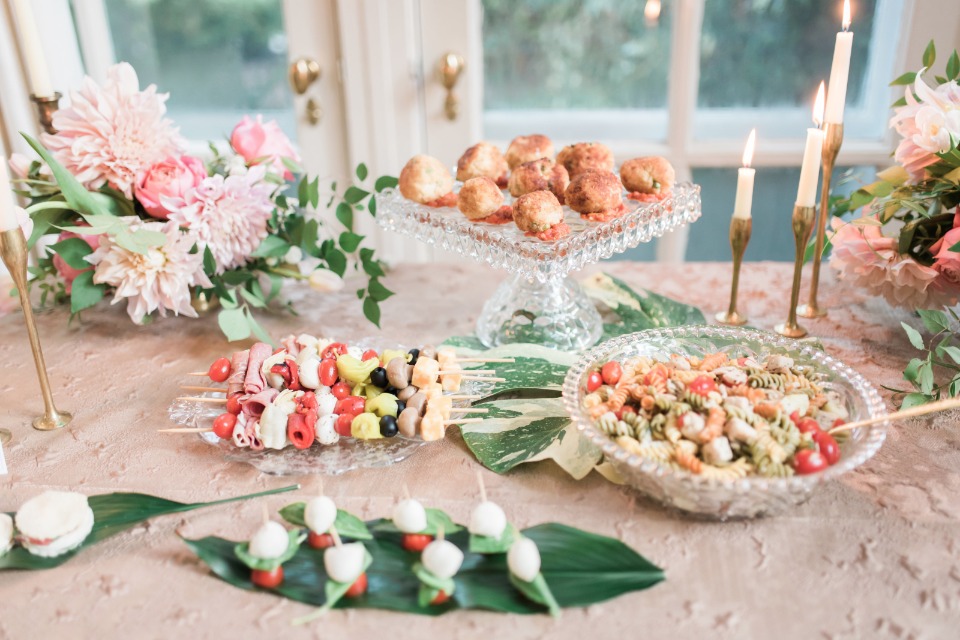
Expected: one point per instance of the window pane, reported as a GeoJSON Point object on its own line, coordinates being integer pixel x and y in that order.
{"type": "Point", "coordinates": [574, 54]}
{"type": "Point", "coordinates": [218, 60]}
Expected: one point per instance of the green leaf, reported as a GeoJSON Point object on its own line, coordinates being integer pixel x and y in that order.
{"type": "Point", "coordinates": [349, 241]}
{"type": "Point", "coordinates": [361, 172]}
{"type": "Point", "coordinates": [79, 199]}
{"type": "Point", "coordinates": [954, 389]}
{"type": "Point", "coordinates": [347, 524]}
{"type": "Point", "coordinates": [345, 215]}
{"type": "Point", "coordinates": [436, 519]}
{"type": "Point", "coordinates": [315, 192]}
{"type": "Point", "coordinates": [912, 372]}
{"type": "Point", "coordinates": [929, 55]}
{"type": "Point", "coordinates": [537, 591]}
{"type": "Point", "coordinates": [372, 207]}
{"type": "Point", "coordinates": [953, 66]}
{"type": "Point", "coordinates": [84, 293]}
{"type": "Point", "coordinates": [209, 262]}
{"type": "Point", "coordinates": [934, 320]}
{"type": "Point", "coordinates": [114, 513]}
{"type": "Point", "coordinates": [914, 400]}
{"type": "Point", "coordinates": [487, 544]}
{"type": "Point", "coordinates": [377, 291]}
{"type": "Point", "coordinates": [252, 298]}
{"type": "Point", "coordinates": [272, 247]}
{"type": "Point", "coordinates": [953, 352]}
{"type": "Point", "coordinates": [371, 311]}
{"type": "Point", "coordinates": [384, 182]}
{"type": "Point", "coordinates": [336, 261]}
{"type": "Point", "coordinates": [925, 378]}
{"type": "Point", "coordinates": [955, 248]}
{"type": "Point", "coordinates": [353, 195]}
{"type": "Point", "coordinates": [257, 329]}
{"type": "Point", "coordinates": [291, 165]}
{"type": "Point", "coordinates": [73, 251]}
{"type": "Point", "coordinates": [521, 393]}
{"type": "Point", "coordinates": [913, 335]}
{"type": "Point", "coordinates": [233, 324]}
{"type": "Point", "coordinates": [907, 78]}
{"type": "Point", "coordinates": [242, 550]}
{"type": "Point", "coordinates": [466, 342]}
{"type": "Point", "coordinates": [637, 311]}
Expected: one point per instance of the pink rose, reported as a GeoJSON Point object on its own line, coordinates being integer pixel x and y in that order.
{"type": "Point", "coordinates": [171, 178]}
{"type": "Point", "coordinates": [254, 140]}
{"type": "Point", "coordinates": [948, 262]}
{"type": "Point", "coordinates": [67, 272]}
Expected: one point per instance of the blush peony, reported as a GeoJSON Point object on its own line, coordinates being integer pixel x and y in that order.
{"type": "Point", "coordinates": [256, 140]}
{"type": "Point", "coordinates": [170, 179]}
{"type": "Point", "coordinates": [947, 262]}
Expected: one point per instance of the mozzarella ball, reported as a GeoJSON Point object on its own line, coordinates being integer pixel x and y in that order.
{"type": "Point", "coordinates": [326, 429]}
{"type": "Point", "coordinates": [523, 559]}
{"type": "Point", "coordinates": [527, 149]}
{"type": "Point", "coordinates": [344, 563]}
{"type": "Point", "coordinates": [425, 179]}
{"type": "Point", "coordinates": [319, 514]}
{"type": "Point", "coordinates": [409, 516]}
{"type": "Point", "coordinates": [326, 403]}
{"type": "Point", "coordinates": [270, 541]}
{"type": "Point", "coordinates": [539, 175]}
{"type": "Point", "coordinates": [594, 192]}
{"type": "Point", "coordinates": [482, 160]}
{"type": "Point", "coordinates": [479, 198]}
{"type": "Point", "coordinates": [6, 533]}
{"type": "Point", "coordinates": [488, 519]}
{"type": "Point", "coordinates": [537, 211]}
{"type": "Point", "coordinates": [442, 558]}
{"type": "Point", "coordinates": [585, 156]}
{"type": "Point", "coordinates": [651, 174]}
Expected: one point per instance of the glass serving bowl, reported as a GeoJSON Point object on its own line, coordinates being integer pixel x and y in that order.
{"type": "Point", "coordinates": [723, 499]}
{"type": "Point", "coordinates": [539, 303]}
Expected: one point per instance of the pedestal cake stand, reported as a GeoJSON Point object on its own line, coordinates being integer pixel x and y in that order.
{"type": "Point", "coordinates": [539, 302]}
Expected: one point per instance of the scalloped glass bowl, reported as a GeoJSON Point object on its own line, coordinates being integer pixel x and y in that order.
{"type": "Point", "coordinates": [723, 499]}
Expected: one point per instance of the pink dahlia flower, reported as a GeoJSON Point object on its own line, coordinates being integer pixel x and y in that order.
{"type": "Point", "coordinates": [158, 280]}
{"type": "Point", "coordinates": [227, 214]}
{"type": "Point", "coordinates": [865, 257]}
{"type": "Point", "coordinates": [109, 134]}
{"type": "Point", "coordinates": [254, 139]}
{"type": "Point", "coordinates": [171, 178]}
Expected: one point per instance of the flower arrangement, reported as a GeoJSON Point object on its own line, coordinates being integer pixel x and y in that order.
{"type": "Point", "coordinates": [141, 220]}
{"type": "Point", "coordinates": [905, 246]}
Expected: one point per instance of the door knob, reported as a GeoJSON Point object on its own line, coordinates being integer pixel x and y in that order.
{"type": "Point", "coordinates": [303, 73]}
{"type": "Point", "coordinates": [450, 68]}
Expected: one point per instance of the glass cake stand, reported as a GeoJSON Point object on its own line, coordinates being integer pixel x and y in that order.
{"type": "Point", "coordinates": [539, 302]}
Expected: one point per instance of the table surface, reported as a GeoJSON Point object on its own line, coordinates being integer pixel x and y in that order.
{"type": "Point", "coordinates": [876, 554]}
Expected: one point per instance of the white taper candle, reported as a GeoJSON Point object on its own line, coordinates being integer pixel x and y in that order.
{"type": "Point", "coordinates": [810, 169]}
{"type": "Point", "coordinates": [33, 57]}
{"type": "Point", "coordinates": [840, 71]}
{"type": "Point", "coordinates": [744, 201]}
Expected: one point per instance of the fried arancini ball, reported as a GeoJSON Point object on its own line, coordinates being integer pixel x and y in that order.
{"type": "Point", "coordinates": [595, 195]}
{"type": "Point", "coordinates": [539, 175]}
{"type": "Point", "coordinates": [479, 198]}
{"type": "Point", "coordinates": [651, 174]}
{"type": "Point", "coordinates": [527, 149]}
{"type": "Point", "coordinates": [424, 179]}
{"type": "Point", "coordinates": [482, 160]}
{"type": "Point", "coordinates": [537, 211]}
{"type": "Point", "coordinates": [585, 156]}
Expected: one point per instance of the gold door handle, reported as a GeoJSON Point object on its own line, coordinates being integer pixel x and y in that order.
{"type": "Point", "coordinates": [450, 68]}
{"type": "Point", "coordinates": [314, 111]}
{"type": "Point", "coordinates": [303, 73]}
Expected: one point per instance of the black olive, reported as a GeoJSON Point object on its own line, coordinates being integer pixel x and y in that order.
{"type": "Point", "coordinates": [414, 354]}
{"type": "Point", "coordinates": [388, 426]}
{"type": "Point", "coordinates": [401, 405]}
{"type": "Point", "coordinates": [378, 377]}
{"type": "Point", "coordinates": [391, 390]}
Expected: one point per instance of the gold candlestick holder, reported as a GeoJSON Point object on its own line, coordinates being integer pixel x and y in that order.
{"type": "Point", "coordinates": [740, 229]}
{"type": "Point", "coordinates": [832, 140]}
{"type": "Point", "coordinates": [46, 107]}
{"type": "Point", "coordinates": [803, 219]}
{"type": "Point", "coordinates": [13, 249]}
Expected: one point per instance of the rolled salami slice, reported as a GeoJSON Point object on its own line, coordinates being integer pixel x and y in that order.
{"type": "Point", "coordinates": [253, 406]}
{"type": "Point", "coordinates": [238, 371]}
{"type": "Point", "coordinates": [253, 382]}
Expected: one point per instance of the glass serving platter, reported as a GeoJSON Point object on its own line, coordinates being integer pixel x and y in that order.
{"type": "Point", "coordinates": [723, 499]}
{"type": "Point", "coordinates": [539, 303]}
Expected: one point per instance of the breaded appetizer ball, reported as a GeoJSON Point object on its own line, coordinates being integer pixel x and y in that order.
{"type": "Point", "coordinates": [652, 174]}
{"type": "Point", "coordinates": [479, 198]}
{"type": "Point", "coordinates": [537, 211]}
{"type": "Point", "coordinates": [524, 149]}
{"type": "Point", "coordinates": [595, 195]}
{"type": "Point", "coordinates": [482, 160]}
{"type": "Point", "coordinates": [539, 175]}
{"type": "Point", "coordinates": [424, 179]}
{"type": "Point", "coordinates": [585, 156]}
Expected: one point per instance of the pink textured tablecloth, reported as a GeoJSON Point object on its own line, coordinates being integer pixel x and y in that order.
{"type": "Point", "coordinates": [876, 555]}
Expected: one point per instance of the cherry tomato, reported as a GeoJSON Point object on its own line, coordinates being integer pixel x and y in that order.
{"type": "Point", "coordinates": [224, 424]}
{"type": "Point", "coordinates": [611, 372]}
{"type": "Point", "coordinates": [839, 422]}
{"type": "Point", "coordinates": [220, 370]}
{"type": "Point", "coordinates": [333, 350]}
{"type": "Point", "coordinates": [351, 404]}
{"type": "Point", "coordinates": [415, 541]}
{"type": "Point", "coordinates": [320, 540]}
{"type": "Point", "coordinates": [370, 354]}
{"type": "Point", "coordinates": [358, 588]}
{"type": "Point", "coordinates": [828, 446]}
{"type": "Point", "coordinates": [233, 404]}
{"type": "Point", "coordinates": [594, 380]}
{"type": "Point", "coordinates": [440, 598]}
{"type": "Point", "coordinates": [340, 390]}
{"type": "Point", "coordinates": [809, 461]}
{"type": "Point", "coordinates": [702, 385]}
{"type": "Point", "coordinates": [343, 424]}
{"type": "Point", "coordinates": [795, 418]}
{"type": "Point", "coordinates": [808, 425]}
{"type": "Point", "coordinates": [328, 372]}
{"type": "Point", "coordinates": [267, 579]}
{"type": "Point", "coordinates": [624, 409]}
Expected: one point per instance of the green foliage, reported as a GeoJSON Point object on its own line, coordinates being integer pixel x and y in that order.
{"type": "Point", "coordinates": [936, 374]}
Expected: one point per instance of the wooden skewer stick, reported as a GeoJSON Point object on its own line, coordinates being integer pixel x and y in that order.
{"type": "Point", "coordinates": [197, 373]}
{"type": "Point", "coordinates": [465, 397]}
{"type": "Point", "coordinates": [187, 387]}
{"type": "Point", "coordinates": [912, 412]}
{"type": "Point", "coordinates": [511, 360]}
{"type": "Point", "coordinates": [199, 399]}
{"type": "Point", "coordinates": [488, 379]}
{"type": "Point", "coordinates": [463, 421]}
{"type": "Point", "coordinates": [185, 430]}
{"type": "Point", "coordinates": [406, 491]}
{"type": "Point", "coordinates": [266, 514]}
{"type": "Point", "coordinates": [465, 410]}
{"type": "Point", "coordinates": [336, 536]}
{"type": "Point", "coordinates": [483, 488]}
{"type": "Point", "coordinates": [440, 533]}
{"type": "Point", "coordinates": [492, 372]}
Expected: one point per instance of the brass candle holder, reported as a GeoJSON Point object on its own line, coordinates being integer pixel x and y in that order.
{"type": "Point", "coordinates": [740, 229]}
{"type": "Point", "coordinates": [13, 249]}
{"type": "Point", "coordinates": [832, 140]}
{"type": "Point", "coordinates": [46, 107]}
{"type": "Point", "coordinates": [803, 219]}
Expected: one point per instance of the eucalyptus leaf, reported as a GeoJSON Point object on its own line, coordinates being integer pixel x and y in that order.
{"type": "Point", "coordinates": [114, 513]}
{"type": "Point", "coordinates": [233, 324]}
{"type": "Point", "coordinates": [77, 196]}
